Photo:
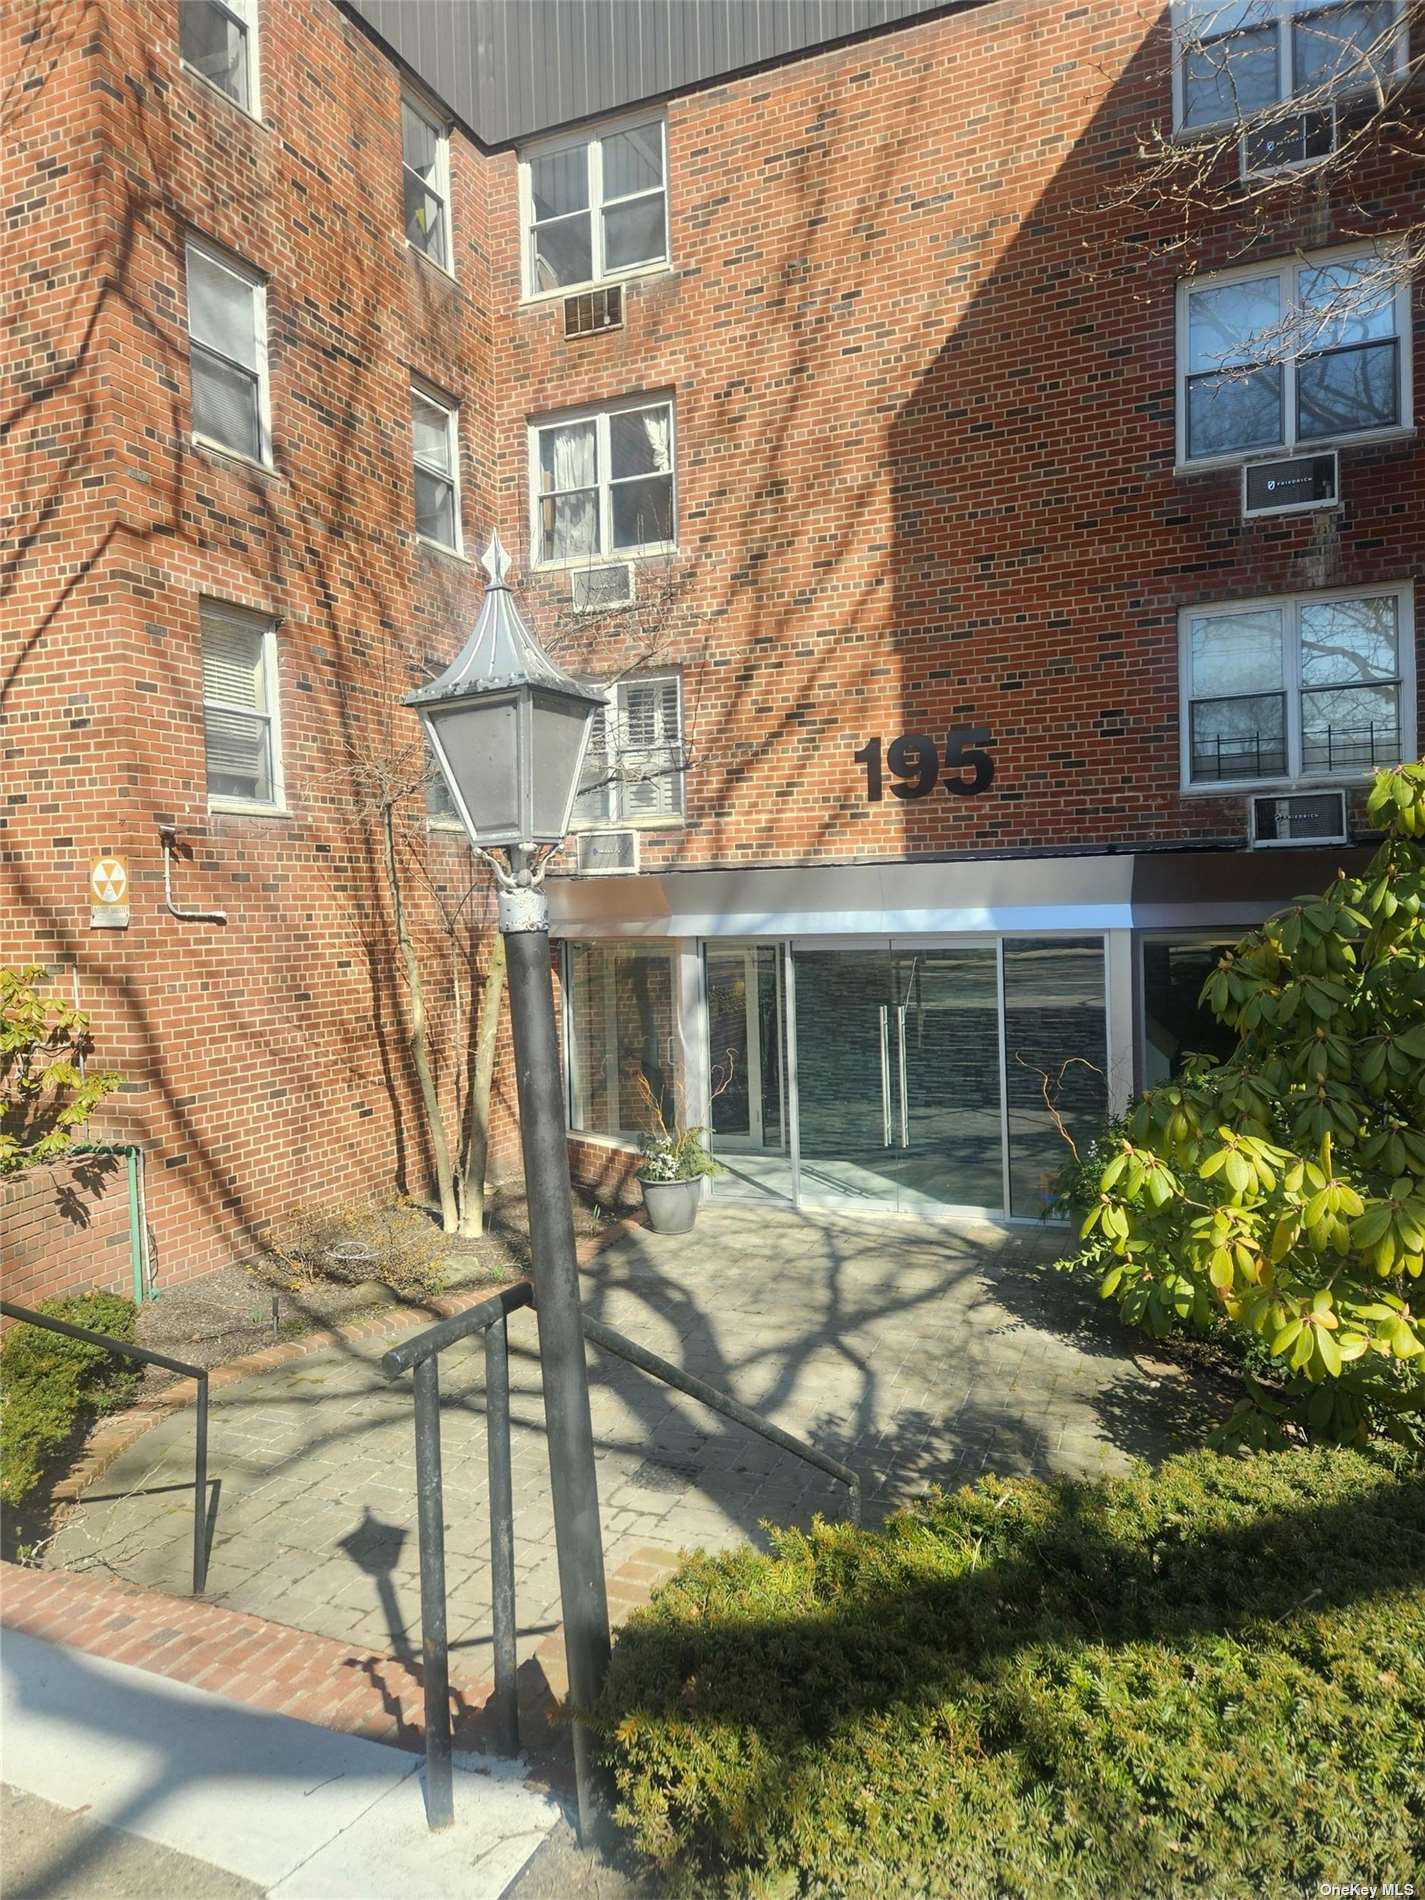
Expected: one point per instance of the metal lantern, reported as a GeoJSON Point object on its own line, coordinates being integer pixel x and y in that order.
{"type": "Point", "coordinates": [509, 728]}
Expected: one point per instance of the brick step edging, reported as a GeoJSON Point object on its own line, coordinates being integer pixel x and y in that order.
{"type": "Point", "coordinates": [285, 1671]}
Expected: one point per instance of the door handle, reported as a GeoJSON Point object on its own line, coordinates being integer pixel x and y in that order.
{"type": "Point", "coordinates": [885, 1076]}
{"type": "Point", "coordinates": [900, 1052]}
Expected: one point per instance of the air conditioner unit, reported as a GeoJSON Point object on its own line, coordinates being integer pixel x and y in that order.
{"type": "Point", "coordinates": [1298, 818]}
{"type": "Point", "coordinates": [595, 589]}
{"type": "Point", "coordinates": [1291, 485]}
{"type": "Point", "coordinates": [606, 853]}
{"type": "Point", "coordinates": [593, 310]}
{"type": "Point", "coordinates": [1298, 139]}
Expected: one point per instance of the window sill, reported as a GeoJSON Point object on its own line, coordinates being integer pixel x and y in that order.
{"type": "Point", "coordinates": [619, 1144]}
{"type": "Point", "coordinates": [1214, 464]}
{"type": "Point", "coordinates": [452, 826]}
{"type": "Point", "coordinates": [656, 550]}
{"type": "Point", "coordinates": [677, 823]}
{"type": "Point", "coordinates": [247, 808]}
{"type": "Point", "coordinates": [636, 273]}
{"type": "Point", "coordinates": [206, 446]}
{"type": "Point", "coordinates": [1283, 787]}
{"type": "Point", "coordinates": [439, 547]}
{"type": "Point", "coordinates": [209, 85]}
{"type": "Point", "coordinates": [445, 269]}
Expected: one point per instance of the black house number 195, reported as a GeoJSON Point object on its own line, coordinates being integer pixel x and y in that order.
{"type": "Point", "coordinates": [913, 762]}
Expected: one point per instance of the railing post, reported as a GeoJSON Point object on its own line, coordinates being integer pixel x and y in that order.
{"type": "Point", "coordinates": [200, 1490]}
{"type": "Point", "coordinates": [435, 1656]}
{"type": "Point", "coordinates": [502, 1537]}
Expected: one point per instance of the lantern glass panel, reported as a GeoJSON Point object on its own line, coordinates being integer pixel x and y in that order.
{"type": "Point", "coordinates": [558, 726]}
{"type": "Point", "coordinates": [481, 747]}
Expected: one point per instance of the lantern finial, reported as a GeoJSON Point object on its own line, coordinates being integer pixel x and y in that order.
{"type": "Point", "coordinates": [495, 561]}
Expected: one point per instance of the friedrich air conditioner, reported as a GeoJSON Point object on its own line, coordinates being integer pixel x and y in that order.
{"type": "Point", "coordinates": [606, 853]}
{"type": "Point", "coordinates": [595, 589]}
{"type": "Point", "coordinates": [1298, 139]}
{"type": "Point", "coordinates": [1291, 485]}
{"type": "Point", "coordinates": [1298, 818]}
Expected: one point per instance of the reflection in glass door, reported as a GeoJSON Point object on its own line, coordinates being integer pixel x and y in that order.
{"type": "Point", "coordinates": [947, 1078]}
{"type": "Point", "coordinates": [898, 1077]}
{"type": "Point", "coordinates": [747, 1117]}
{"type": "Point", "coordinates": [848, 1107]}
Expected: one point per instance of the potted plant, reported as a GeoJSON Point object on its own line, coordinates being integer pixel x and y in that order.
{"type": "Point", "coordinates": [672, 1166]}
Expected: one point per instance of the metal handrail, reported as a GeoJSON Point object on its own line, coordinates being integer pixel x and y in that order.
{"type": "Point", "coordinates": [723, 1402]}
{"type": "Point", "coordinates": [420, 1356]}
{"type": "Point", "coordinates": [149, 1358]}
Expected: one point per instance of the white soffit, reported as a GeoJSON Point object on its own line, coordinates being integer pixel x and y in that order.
{"type": "Point", "coordinates": [1003, 894]}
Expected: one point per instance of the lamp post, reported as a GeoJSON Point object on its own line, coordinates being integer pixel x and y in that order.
{"type": "Point", "coordinates": [509, 730]}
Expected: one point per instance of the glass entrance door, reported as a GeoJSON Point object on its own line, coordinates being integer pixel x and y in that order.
{"type": "Point", "coordinates": [747, 1113]}
{"type": "Point", "coordinates": [946, 1079]}
{"type": "Point", "coordinates": [898, 1077]}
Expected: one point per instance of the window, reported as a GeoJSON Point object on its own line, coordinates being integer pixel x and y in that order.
{"type": "Point", "coordinates": [435, 440]}
{"type": "Point", "coordinates": [1236, 58]}
{"type": "Point", "coordinates": [1176, 1023]}
{"type": "Point", "coordinates": [633, 769]}
{"type": "Point", "coordinates": [218, 40]}
{"type": "Point", "coordinates": [1306, 688]}
{"type": "Point", "coordinates": [240, 707]}
{"type": "Point", "coordinates": [425, 168]}
{"type": "Point", "coordinates": [1291, 355]}
{"type": "Point", "coordinates": [621, 1037]}
{"type": "Point", "coordinates": [595, 210]}
{"type": "Point", "coordinates": [227, 329]}
{"type": "Point", "coordinates": [602, 484]}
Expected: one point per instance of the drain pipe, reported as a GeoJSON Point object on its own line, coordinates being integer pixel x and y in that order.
{"type": "Point", "coordinates": [169, 836]}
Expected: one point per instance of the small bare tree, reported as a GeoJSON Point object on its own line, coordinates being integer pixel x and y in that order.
{"type": "Point", "coordinates": [1252, 159]}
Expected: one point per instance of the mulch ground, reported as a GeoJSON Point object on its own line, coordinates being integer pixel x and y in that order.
{"type": "Point", "coordinates": [238, 1310]}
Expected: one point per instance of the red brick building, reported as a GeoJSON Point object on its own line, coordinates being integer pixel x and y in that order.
{"type": "Point", "coordinates": [958, 699]}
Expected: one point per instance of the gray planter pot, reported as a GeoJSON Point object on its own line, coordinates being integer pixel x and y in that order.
{"type": "Point", "coordinates": [672, 1205]}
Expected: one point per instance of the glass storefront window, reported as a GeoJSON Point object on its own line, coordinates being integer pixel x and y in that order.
{"type": "Point", "coordinates": [1055, 1038]}
{"type": "Point", "coordinates": [622, 1036]}
{"type": "Point", "coordinates": [1175, 1023]}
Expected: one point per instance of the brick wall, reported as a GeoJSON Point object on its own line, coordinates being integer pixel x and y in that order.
{"type": "Point", "coordinates": [925, 474]}
{"type": "Point", "coordinates": [65, 1229]}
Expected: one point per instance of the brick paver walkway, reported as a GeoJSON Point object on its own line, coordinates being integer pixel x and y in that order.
{"type": "Point", "coordinates": [917, 1354]}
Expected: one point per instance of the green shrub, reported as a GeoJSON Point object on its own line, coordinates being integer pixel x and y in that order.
{"type": "Point", "coordinates": [1284, 1189]}
{"type": "Point", "coordinates": [48, 1381]}
{"type": "Point", "coordinates": [1204, 1680]}
{"type": "Point", "coordinates": [351, 1242]}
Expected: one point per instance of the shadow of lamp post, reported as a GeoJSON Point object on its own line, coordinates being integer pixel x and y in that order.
{"type": "Point", "coordinates": [509, 730]}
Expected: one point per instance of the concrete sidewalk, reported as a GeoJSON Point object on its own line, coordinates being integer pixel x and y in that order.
{"type": "Point", "coordinates": [297, 1811]}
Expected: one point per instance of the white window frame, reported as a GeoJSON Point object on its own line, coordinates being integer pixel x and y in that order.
{"type": "Point", "coordinates": [257, 283]}
{"type": "Point", "coordinates": [244, 14]}
{"type": "Point", "coordinates": [276, 806]}
{"type": "Point", "coordinates": [591, 142]}
{"type": "Point", "coordinates": [607, 555]}
{"type": "Point", "coordinates": [451, 409]}
{"type": "Point", "coordinates": [618, 819]}
{"type": "Point", "coordinates": [425, 110]}
{"type": "Point", "coordinates": [1285, 270]}
{"type": "Point", "coordinates": [624, 1137]}
{"type": "Point", "coordinates": [1295, 778]}
{"type": "Point", "coordinates": [1281, 14]}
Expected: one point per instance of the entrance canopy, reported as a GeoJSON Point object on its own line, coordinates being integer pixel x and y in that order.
{"type": "Point", "coordinates": [1150, 890]}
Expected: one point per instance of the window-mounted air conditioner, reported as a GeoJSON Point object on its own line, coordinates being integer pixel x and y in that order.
{"type": "Point", "coordinates": [1300, 138]}
{"type": "Point", "coordinates": [606, 853]}
{"type": "Point", "coordinates": [1298, 818]}
{"type": "Point", "coordinates": [1291, 485]}
{"type": "Point", "coordinates": [594, 589]}
{"type": "Point", "coordinates": [593, 310]}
